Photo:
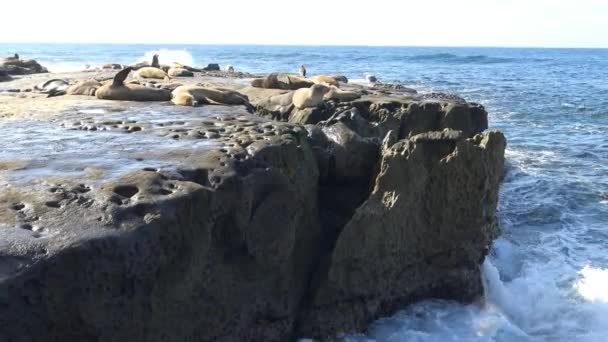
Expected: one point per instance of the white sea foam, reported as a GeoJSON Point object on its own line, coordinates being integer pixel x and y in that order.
{"type": "Point", "coordinates": [166, 56]}
{"type": "Point", "coordinates": [593, 285]}
{"type": "Point", "coordinates": [66, 66]}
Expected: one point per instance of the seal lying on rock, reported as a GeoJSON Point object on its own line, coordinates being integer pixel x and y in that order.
{"type": "Point", "coordinates": [179, 72]}
{"type": "Point", "coordinates": [335, 93]}
{"type": "Point", "coordinates": [309, 97]}
{"type": "Point", "coordinates": [154, 64]}
{"type": "Point", "coordinates": [113, 66]}
{"type": "Point", "coordinates": [195, 95]}
{"type": "Point", "coordinates": [53, 87]}
{"type": "Point", "coordinates": [341, 78]}
{"type": "Point", "coordinates": [322, 79]}
{"type": "Point", "coordinates": [151, 72]}
{"type": "Point", "coordinates": [88, 88]}
{"type": "Point", "coordinates": [118, 91]}
{"type": "Point", "coordinates": [281, 81]}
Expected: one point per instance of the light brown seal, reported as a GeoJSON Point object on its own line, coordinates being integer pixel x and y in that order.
{"type": "Point", "coordinates": [335, 93]}
{"type": "Point", "coordinates": [281, 81]}
{"type": "Point", "coordinates": [188, 95]}
{"type": "Point", "coordinates": [328, 80]}
{"type": "Point", "coordinates": [151, 72]}
{"type": "Point", "coordinates": [118, 91]}
{"type": "Point", "coordinates": [309, 97]}
{"type": "Point", "coordinates": [179, 72]}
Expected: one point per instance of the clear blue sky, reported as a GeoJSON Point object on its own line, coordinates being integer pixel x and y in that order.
{"type": "Point", "coordinates": [542, 23]}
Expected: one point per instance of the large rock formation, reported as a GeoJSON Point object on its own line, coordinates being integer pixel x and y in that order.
{"type": "Point", "coordinates": [16, 66]}
{"type": "Point", "coordinates": [148, 222]}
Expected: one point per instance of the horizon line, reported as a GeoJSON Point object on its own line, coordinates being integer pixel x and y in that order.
{"type": "Point", "coordinates": [317, 45]}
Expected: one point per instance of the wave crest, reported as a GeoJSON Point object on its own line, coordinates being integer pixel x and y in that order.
{"type": "Point", "coordinates": [166, 56]}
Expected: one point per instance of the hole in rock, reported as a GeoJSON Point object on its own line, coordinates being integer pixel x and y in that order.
{"type": "Point", "coordinates": [126, 190]}
{"type": "Point", "coordinates": [52, 204]}
{"type": "Point", "coordinates": [26, 226]}
{"type": "Point", "coordinates": [18, 206]}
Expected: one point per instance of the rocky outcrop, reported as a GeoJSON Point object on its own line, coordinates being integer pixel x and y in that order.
{"type": "Point", "coordinates": [422, 233]}
{"type": "Point", "coordinates": [16, 66]}
{"type": "Point", "coordinates": [4, 76]}
{"type": "Point", "coordinates": [213, 224]}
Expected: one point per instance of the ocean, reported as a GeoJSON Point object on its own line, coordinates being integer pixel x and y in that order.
{"type": "Point", "coordinates": [546, 278]}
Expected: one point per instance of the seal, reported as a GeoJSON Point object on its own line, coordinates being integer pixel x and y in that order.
{"type": "Point", "coordinates": [302, 70]}
{"type": "Point", "coordinates": [337, 94]}
{"type": "Point", "coordinates": [341, 78]}
{"type": "Point", "coordinates": [328, 80]}
{"type": "Point", "coordinates": [188, 95]}
{"type": "Point", "coordinates": [118, 91]}
{"type": "Point", "coordinates": [53, 87]}
{"type": "Point", "coordinates": [14, 58]}
{"type": "Point", "coordinates": [88, 88]}
{"type": "Point", "coordinates": [179, 72]}
{"type": "Point", "coordinates": [309, 97]}
{"type": "Point", "coordinates": [281, 81]}
{"type": "Point", "coordinates": [113, 66]}
{"type": "Point", "coordinates": [151, 72]}
{"type": "Point", "coordinates": [371, 78]}
{"type": "Point", "coordinates": [154, 64]}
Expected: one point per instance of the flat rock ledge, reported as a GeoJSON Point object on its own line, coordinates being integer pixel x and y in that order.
{"type": "Point", "coordinates": [151, 222]}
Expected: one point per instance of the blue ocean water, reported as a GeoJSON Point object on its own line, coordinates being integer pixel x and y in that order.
{"type": "Point", "coordinates": [547, 276]}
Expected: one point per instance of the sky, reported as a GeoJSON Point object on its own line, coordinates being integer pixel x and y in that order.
{"type": "Point", "coordinates": [520, 23]}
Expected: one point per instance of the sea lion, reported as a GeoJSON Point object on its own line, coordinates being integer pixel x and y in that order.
{"type": "Point", "coordinates": [371, 78]}
{"type": "Point", "coordinates": [302, 70]}
{"type": "Point", "coordinates": [151, 72]}
{"type": "Point", "coordinates": [341, 78]}
{"type": "Point", "coordinates": [179, 72]}
{"type": "Point", "coordinates": [144, 64]}
{"type": "Point", "coordinates": [230, 69]}
{"type": "Point", "coordinates": [281, 81]}
{"type": "Point", "coordinates": [118, 91]}
{"type": "Point", "coordinates": [309, 97]}
{"type": "Point", "coordinates": [196, 95]}
{"type": "Point", "coordinates": [281, 104]}
{"type": "Point", "coordinates": [155, 63]}
{"type": "Point", "coordinates": [187, 99]}
{"type": "Point", "coordinates": [53, 87]}
{"type": "Point", "coordinates": [112, 66]}
{"type": "Point", "coordinates": [14, 58]}
{"type": "Point", "coordinates": [335, 93]}
{"type": "Point", "coordinates": [328, 80]}
{"type": "Point", "coordinates": [88, 88]}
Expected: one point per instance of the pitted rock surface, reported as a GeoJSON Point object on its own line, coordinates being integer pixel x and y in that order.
{"type": "Point", "coordinates": [153, 222]}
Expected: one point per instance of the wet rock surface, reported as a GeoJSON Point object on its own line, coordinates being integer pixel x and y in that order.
{"type": "Point", "coordinates": [154, 222]}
